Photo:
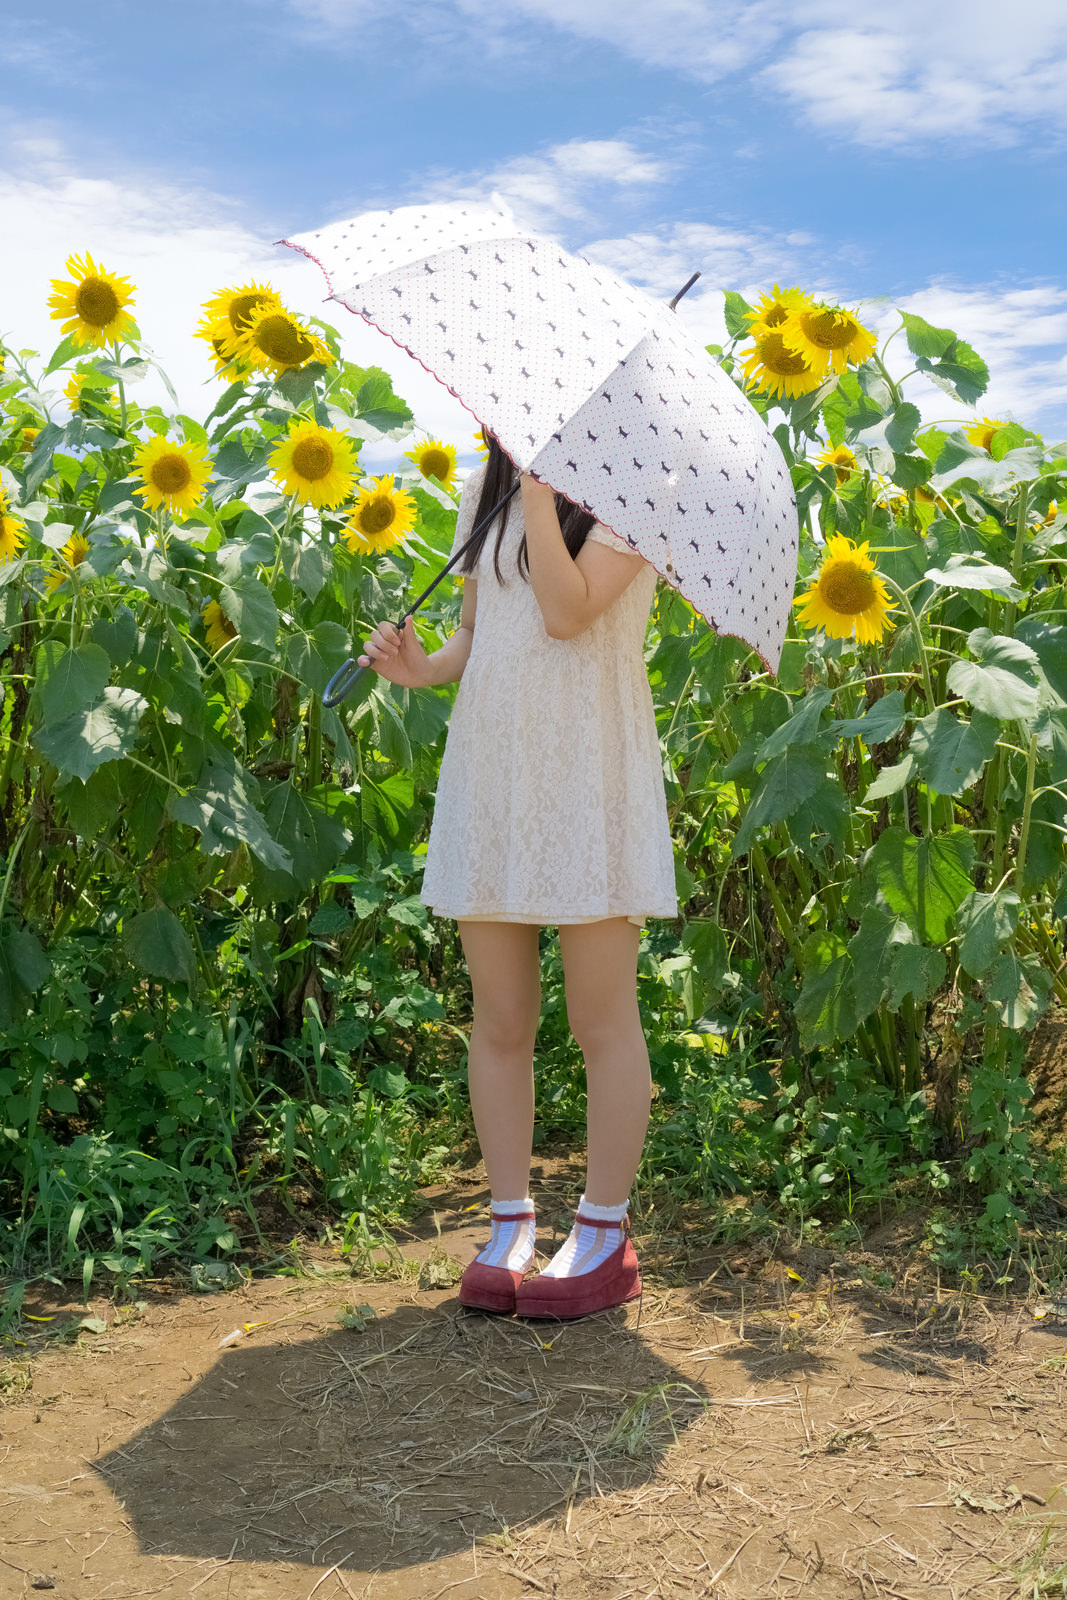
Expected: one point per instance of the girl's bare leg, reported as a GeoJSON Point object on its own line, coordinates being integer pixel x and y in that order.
{"type": "Point", "coordinates": [600, 968]}
{"type": "Point", "coordinates": [502, 958]}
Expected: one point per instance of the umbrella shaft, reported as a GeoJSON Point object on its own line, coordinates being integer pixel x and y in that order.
{"type": "Point", "coordinates": [345, 679]}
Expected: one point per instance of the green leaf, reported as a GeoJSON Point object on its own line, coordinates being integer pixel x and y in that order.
{"type": "Point", "coordinates": [914, 970]}
{"type": "Point", "coordinates": [950, 753]}
{"type": "Point", "coordinates": [900, 429]}
{"type": "Point", "coordinates": [984, 923]}
{"type": "Point", "coordinates": [1019, 989]}
{"type": "Point", "coordinates": [330, 920]}
{"type": "Point", "coordinates": [67, 350]}
{"type": "Point", "coordinates": [1048, 641]}
{"type": "Point", "coordinates": [799, 728]}
{"type": "Point", "coordinates": [738, 314]}
{"type": "Point", "coordinates": [960, 573]}
{"type": "Point", "coordinates": [923, 338]}
{"type": "Point", "coordinates": [890, 780]}
{"type": "Point", "coordinates": [223, 808]}
{"type": "Point", "coordinates": [870, 949]}
{"type": "Point", "coordinates": [309, 570]}
{"type": "Point", "coordinates": [250, 606]}
{"type": "Point", "coordinates": [78, 677]}
{"type": "Point", "coordinates": [377, 404]}
{"type": "Point", "coordinates": [960, 372]}
{"type": "Point", "coordinates": [313, 658]}
{"type": "Point", "coordinates": [388, 1081]}
{"type": "Point", "coordinates": [24, 968]}
{"type": "Point", "coordinates": [160, 946]}
{"type": "Point", "coordinates": [783, 784]}
{"type": "Point", "coordinates": [822, 816]}
{"type": "Point", "coordinates": [1001, 681]}
{"type": "Point", "coordinates": [313, 839]}
{"type": "Point", "coordinates": [923, 880]}
{"type": "Point", "coordinates": [825, 1008]}
{"type": "Point", "coordinates": [105, 730]}
{"type": "Point", "coordinates": [882, 719]}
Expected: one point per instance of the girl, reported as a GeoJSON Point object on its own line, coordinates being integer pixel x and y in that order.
{"type": "Point", "coordinates": [550, 810]}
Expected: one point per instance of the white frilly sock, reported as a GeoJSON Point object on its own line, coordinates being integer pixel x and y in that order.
{"type": "Point", "coordinates": [511, 1243]}
{"type": "Point", "coordinates": [587, 1245]}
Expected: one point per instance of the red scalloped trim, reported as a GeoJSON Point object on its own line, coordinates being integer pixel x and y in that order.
{"type": "Point", "coordinates": [721, 633]}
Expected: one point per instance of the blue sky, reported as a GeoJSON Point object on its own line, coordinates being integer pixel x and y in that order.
{"type": "Point", "coordinates": [917, 154]}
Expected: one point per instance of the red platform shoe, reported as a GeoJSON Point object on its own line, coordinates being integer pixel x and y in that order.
{"type": "Point", "coordinates": [615, 1281]}
{"type": "Point", "coordinates": [491, 1288]}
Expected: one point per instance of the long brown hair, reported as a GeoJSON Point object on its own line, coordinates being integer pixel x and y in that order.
{"type": "Point", "coordinates": [574, 521]}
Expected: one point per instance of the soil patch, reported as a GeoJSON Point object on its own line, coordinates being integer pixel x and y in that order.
{"type": "Point", "coordinates": [763, 1422]}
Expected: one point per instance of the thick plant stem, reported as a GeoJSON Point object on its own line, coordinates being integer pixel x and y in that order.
{"type": "Point", "coordinates": [1028, 803]}
{"type": "Point", "coordinates": [924, 660]}
{"type": "Point", "coordinates": [785, 921]}
{"type": "Point", "coordinates": [1011, 611]}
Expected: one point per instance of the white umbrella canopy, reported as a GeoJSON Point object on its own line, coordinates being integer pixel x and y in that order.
{"type": "Point", "coordinates": [591, 385]}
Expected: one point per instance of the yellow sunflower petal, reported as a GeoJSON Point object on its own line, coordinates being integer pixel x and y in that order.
{"type": "Point", "coordinates": [274, 340]}
{"type": "Point", "coordinates": [436, 460]}
{"type": "Point", "coordinates": [92, 301]}
{"type": "Point", "coordinates": [316, 464]}
{"type": "Point", "coordinates": [72, 554]}
{"type": "Point", "coordinates": [218, 629]}
{"type": "Point", "coordinates": [172, 474]}
{"type": "Point", "coordinates": [771, 366]}
{"type": "Point", "coordinates": [382, 517]}
{"type": "Point", "coordinates": [841, 458]}
{"type": "Point", "coordinates": [828, 337]}
{"type": "Point", "coordinates": [981, 432]}
{"type": "Point", "coordinates": [848, 598]}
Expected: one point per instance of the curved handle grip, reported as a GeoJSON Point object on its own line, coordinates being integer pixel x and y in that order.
{"type": "Point", "coordinates": [342, 683]}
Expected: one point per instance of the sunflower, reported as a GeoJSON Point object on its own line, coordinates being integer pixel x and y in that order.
{"type": "Point", "coordinates": [382, 517]}
{"type": "Point", "coordinates": [828, 337]}
{"type": "Point", "coordinates": [174, 475]}
{"type": "Point", "coordinates": [28, 439]}
{"type": "Point", "coordinates": [218, 629]}
{"type": "Point", "coordinates": [848, 597]}
{"type": "Point", "coordinates": [12, 532]}
{"type": "Point", "coordinates": [771, 366]}
{"type": "Point", "coordinates": [93, 303]}
{"type": "Point", "coordinates": [842, 460]}
{"type": "Point", "coordinates": [316, 464]}
{"type": "Point", "coordinates": [272, 338]}
{"type": "Point", "coordinates": [981, 433]}
{"type": "Point", "coordinates": [435, 460]}
{"type": "Point", "coordinates": [226, 316]}
{"type": "Point", "coordinates": [97, 392]}
{"type": "Point", "coordinates": [72, 554]}
{"type": "Point", "coordinates": [775, 308]}
{"type": "Point", "coordinates": [481, 444]}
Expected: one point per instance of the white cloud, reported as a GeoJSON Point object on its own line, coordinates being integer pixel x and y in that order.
{"type": "Point", "coordinates": [179, 245]}
{"type": "Point", "coordinates": [562, 184]}
{"type": "Point", "coordinates": [899, 76]}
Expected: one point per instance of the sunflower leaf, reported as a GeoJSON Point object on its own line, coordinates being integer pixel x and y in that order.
{"type": "Point", "coordinates": [923, 880]}
{"type": "Point", "coordinates": [738, 314]}
{"type": "Point", "coordinates": [224, 808]}
{"type": "Point", "coordinates": [104, 730]}
{"type": "Point", "coordinates": [881, 720]}
{"type": "Point", "coordinates": [160, 946]}
{"type": "Point", "coordinates": [900, 429]}
{"type": "Point", "coordinates": [923, 338]}
{"type": "Point", "coordinates": [250, 606]}
{"type": "Point", "coordinates": [951, 753]}
{"type": "Point", "coordinates": [1019, 988]}
{"type": "Point", "coordinates": [76, 678]}
{"type": "Point", "coordinates": [985, 922]}
{"type": "Point", "coordinates": [1002, 680]}
{"type": "Point", "coordinates": [784, 782]}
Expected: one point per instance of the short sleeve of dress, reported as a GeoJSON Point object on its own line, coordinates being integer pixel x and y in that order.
{"type": "Point", "coordinates": [468, 504]}
{"type": "Point", "coordinates": [601, 535]}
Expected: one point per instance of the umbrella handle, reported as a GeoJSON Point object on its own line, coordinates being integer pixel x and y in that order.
{"type": "Point", "coordinates": [345, 679]}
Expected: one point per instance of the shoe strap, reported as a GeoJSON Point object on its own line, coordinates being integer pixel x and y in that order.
{"type": "Point", "coordinates": [512, 1216]}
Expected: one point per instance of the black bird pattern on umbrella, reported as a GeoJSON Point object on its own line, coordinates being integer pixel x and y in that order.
{"type": "Point", "coordinates": [594, 387]}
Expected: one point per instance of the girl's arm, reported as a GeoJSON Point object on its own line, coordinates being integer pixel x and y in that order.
{"type": "Point", "coordinates": [571, 591]}
{"type": "Point", "coordinates": [400, 657]}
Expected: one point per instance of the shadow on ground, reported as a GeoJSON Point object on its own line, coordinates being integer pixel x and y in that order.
{"type": "Point", "coordinates": [385, 1448]}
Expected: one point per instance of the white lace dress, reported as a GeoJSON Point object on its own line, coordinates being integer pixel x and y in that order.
{"type": "Point", "coordinates": [550, 804]}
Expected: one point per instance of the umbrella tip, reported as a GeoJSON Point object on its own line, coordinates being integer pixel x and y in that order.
{"type": "Point", "coordinates": [673, 304]}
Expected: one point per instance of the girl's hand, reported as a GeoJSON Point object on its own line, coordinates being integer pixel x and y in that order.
{"type": "Point", "coordinates": [396, 655]}
{"type": "Point", "coordinates": [532, 488]}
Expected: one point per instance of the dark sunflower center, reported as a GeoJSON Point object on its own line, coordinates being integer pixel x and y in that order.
{"type": "Point", "coordinates": [312, 458]}
{"type": "Point", "coordinates": [241, 308]}
{"type": "Point", "coordinates": [778, 359]}
{"type": "Point", "coordinates": [775, 315]}
{"type": "Point", "coordinates": [826, 330]}
{"type": "Point", "coordinates": [376, 516]}
{"type": "Point", "coordinates": [435, 464]}
{"type": "Point", "coordinates": [171, 474]}
{"type": "Point", "coordinates": [96, 302]}
{"type": "Point", "coordinates": [282, 341]}
{"type": "Point", "coordinates": [847, 588]}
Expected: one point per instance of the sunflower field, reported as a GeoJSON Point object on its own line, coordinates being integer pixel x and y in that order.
{"type": "Point", "coordinates": [217, 980]}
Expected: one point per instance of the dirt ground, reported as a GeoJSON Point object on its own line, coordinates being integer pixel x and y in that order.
{"type": "Point", "coordinates": [765, 1421]}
